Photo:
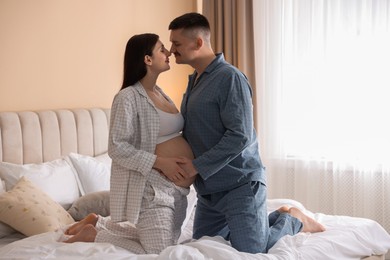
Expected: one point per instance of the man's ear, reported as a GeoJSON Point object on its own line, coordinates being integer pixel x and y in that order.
{"type": "Point", "coordinates": [199, 42]}
{"type": "Point", "coordinates": [148, 60]}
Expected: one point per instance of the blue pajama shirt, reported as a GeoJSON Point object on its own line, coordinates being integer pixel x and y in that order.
{"type": "Point", "coordinates": [231, 184]}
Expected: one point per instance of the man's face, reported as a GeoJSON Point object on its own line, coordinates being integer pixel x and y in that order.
{"type": "Point", "coordinates": [183, 47]}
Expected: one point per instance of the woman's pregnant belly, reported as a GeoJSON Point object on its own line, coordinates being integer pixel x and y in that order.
{"type": "Point", "coordinates": [175, 147]}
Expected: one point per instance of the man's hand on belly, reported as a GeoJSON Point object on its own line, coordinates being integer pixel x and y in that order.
{"type": "Point", "coordinates": [188, 166]}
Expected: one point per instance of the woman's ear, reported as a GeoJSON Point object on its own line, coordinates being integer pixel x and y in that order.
{"type": "Point", "coordinates": [148, 60]}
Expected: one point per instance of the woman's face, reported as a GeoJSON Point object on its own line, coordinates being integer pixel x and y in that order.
{"type": "Point", "coordinates": [160, 58]}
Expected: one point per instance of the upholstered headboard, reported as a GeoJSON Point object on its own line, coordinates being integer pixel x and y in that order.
{"type": "Point", "coordinates": [41, 136]}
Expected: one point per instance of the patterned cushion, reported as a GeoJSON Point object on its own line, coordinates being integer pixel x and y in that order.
{"type": "Point", "coordinates": [31, 211]}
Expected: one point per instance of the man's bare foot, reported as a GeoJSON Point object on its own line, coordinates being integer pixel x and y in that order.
{"type": "Point", "coordinates": [309, 224]}
{"type": "Point", "coordinates": [87, 234]}
{"type": "Point", "coordinates": [76, 228]}
{"type": "Point", "coordinates": [283, 209]}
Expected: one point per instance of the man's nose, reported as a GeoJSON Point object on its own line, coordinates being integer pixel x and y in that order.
{"type": "Point", "coordinates": [172, 50]}
{"type": "Point", "coordinates": [167, 53]}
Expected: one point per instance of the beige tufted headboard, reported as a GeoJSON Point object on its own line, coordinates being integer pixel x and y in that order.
{"type": "Point", "coordinates": [41, 136]}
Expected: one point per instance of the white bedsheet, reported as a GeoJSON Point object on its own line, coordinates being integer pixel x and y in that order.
{"type": "Point", "coordinates": [345, 238]}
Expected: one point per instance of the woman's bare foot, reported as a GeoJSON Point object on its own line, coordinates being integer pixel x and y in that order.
{"type": "Point", "coordinates": [309, 224]}
{"type": "Point", "coordinates": [76, 228]}
{"type": "Point", "coordinates": [87, 234]}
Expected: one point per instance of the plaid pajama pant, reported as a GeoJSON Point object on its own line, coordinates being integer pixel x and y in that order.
{"type": "Point", "coordinates": [163, 210]}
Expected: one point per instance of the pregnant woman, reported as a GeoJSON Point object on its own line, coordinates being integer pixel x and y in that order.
{"type": "Point", "coordinates": [148, 188]}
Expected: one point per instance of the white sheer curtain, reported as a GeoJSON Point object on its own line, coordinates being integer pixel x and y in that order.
{"type": "Point", "coordinates": [323, 84]}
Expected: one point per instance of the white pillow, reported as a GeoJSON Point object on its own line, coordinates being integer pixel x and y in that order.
{"type": "Point", "coordinates": [56, 178]}
{"type": "Point", "coordinates": [104, 158]}
{"type": "Point", "coordinates": [93, 172]}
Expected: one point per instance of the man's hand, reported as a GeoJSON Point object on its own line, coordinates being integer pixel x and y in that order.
{"type": "Point", "coordinates": [188, 167]}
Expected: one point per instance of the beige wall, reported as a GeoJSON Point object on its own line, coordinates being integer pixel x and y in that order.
{"type": "Point", "coordinates": [69, 53]}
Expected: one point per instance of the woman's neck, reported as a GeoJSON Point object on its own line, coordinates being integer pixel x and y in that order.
{"type": "Point", "coordinates": [149, 82]}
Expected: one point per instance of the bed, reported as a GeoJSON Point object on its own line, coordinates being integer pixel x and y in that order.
{"type": "Point", "coordinates": [60, 155]}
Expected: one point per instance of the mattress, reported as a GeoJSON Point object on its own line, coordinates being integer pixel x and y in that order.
{"type": "Point", "coordinates": [345, 238]}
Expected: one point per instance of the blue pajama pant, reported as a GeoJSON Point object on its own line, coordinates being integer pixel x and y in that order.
{"type": "Point", "coordinates": [240, 215]}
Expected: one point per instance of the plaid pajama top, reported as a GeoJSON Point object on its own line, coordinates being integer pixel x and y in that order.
{"type": "Point", "coordinates": [134, 126]}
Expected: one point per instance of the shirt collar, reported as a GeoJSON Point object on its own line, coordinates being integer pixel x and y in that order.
{"type": "Point", "coordinates": [138, 86]}
{"type": "Point", "coordinates": [219, 58]}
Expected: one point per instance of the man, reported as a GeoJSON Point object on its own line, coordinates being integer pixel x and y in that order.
{"type": "Point", "coordinates": [231, 180]}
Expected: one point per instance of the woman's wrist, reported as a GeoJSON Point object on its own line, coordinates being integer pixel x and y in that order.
{"type": "Point", "coordinates": [157, 164]}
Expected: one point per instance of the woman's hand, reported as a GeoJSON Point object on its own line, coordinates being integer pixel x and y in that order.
{"type": "Point", "coordinates": [170, 168]}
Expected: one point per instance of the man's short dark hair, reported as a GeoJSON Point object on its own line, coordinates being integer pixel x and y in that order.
{"type": "Point", "coordinates": [190, 21]}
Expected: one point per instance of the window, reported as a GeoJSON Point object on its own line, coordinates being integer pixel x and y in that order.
{"type": "Point", "coordinates": [325, 73]}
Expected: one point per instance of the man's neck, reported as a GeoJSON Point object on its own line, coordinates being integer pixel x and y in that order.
{"type": "Point", "coordinates": [202, 62]}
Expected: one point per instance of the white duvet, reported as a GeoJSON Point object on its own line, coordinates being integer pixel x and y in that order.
{"type": "Point", "coordinates": [345, 238]}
